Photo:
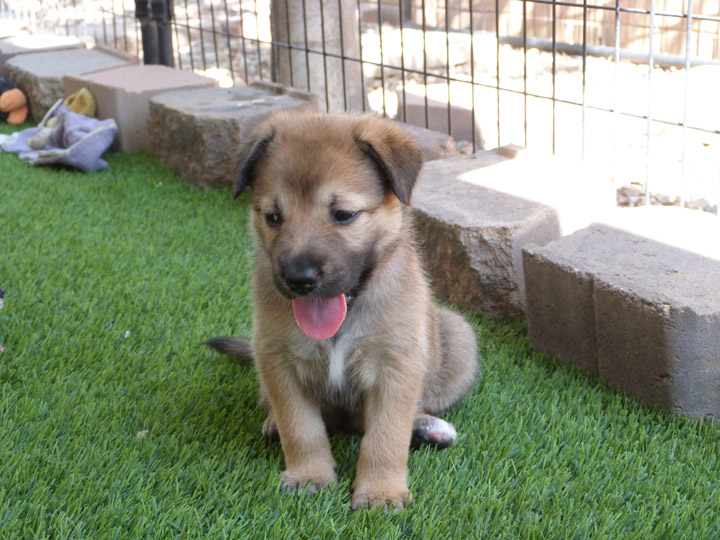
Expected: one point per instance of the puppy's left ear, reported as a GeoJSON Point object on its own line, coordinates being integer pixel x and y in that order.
{"type": "Point", "coordinates": [396, 154]}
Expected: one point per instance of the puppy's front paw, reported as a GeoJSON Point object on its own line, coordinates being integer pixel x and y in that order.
{"type": "Point", "coordinates": [308, 482]}
{"type": "Point", "coordinates": [389, 500]}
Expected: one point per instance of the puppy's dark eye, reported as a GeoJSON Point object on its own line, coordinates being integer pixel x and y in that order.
{"type": "Point", "coordinates": [273, 219]}
{"type": "Point", "coordinates": [343, 217]}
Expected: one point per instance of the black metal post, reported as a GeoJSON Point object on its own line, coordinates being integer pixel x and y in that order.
{"type": "Point", "coordinates": [162, 11]}
{"type": "Point", "coordinates": [148, 29]}
{"type": "Point", "coordinates": [155, 17]}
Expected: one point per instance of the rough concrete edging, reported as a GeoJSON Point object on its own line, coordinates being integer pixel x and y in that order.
{"type": "Point", "coordinates": [634, 305]}
{"type": "Point", "coordinates": [474, 214]}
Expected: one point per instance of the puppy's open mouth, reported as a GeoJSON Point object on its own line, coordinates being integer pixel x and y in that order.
{"type": "Point", "coordinates": [320, 318]}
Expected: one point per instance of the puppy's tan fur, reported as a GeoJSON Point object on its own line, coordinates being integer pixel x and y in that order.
{"type": "Point", "coordinates": [397, 358]}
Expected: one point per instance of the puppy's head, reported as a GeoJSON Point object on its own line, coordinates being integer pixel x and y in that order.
{"type": "Point", "coordinates": [328, 196]}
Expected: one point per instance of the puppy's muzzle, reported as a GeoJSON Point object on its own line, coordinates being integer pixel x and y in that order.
{"type": "Point", "coordinates": [301, 275]}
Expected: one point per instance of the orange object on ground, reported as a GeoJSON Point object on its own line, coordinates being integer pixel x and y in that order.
{"type": "Point", "coordinates": [14, 103]}
{"type": "Point", "coordinates": [11, 100]}
{"type": "Point", "coordinates": [18, 116]}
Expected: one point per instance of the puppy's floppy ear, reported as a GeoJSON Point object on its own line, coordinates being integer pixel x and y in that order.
{"type": "Point", "coordinates": [396, 154]}
{"type": "Point", "coordinates": [252, 151]}
{"type": "Point", "coordinates": [248, 165]}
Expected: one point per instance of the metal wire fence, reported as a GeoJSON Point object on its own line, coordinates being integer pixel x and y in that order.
{"type": "Point", "coordinates": [630, 86]}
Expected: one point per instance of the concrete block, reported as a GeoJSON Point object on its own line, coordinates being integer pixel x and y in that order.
{"type": "Point", "coordinates": [124, 94]}
{"type": "Point", "coordinates": [198, 132]}
{"type": "Point", "coordinates": [461, 124]}
{"type": "Point", "coordinates": [474, 215]}
{"type": "Point", "coordinates": [560, 298]}
{"type": "Point", "coordinates": [127, 57]}
{"type": "Point", "coordinates": [26, 43]}
{"type": "Point", "coordinates": [635, 300]}
{"type": "Point", "coordinates": [40, 75]}
{"type": "Point", "coordinates": [435, 145]}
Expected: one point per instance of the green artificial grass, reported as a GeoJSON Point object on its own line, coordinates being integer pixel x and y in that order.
{"type": "Point", "coordinates": [116, 423]}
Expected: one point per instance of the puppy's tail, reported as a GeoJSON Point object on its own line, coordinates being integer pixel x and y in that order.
{"type": "Point", "coordinates": [239, 348]}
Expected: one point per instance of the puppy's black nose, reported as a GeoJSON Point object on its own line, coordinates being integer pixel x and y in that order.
{"type": "Point", "coordinates": [301, 277]}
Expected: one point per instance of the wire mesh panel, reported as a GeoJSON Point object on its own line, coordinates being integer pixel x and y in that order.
{"type": "Point", "coordinates": [628, 85]}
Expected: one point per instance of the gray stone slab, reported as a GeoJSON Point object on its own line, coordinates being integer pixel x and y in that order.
{"type": "Point", "coordinates": [430, 109]}
{"type": "Point", "coordinates": [474, 215]}
{"type": "Point", "coordinates": [129, 58]}
{"type": "Point", "coordinates": [124, 94]}
{"type": "Point", "coordinates": [41, 75]}
{"type": "Point", "coordinates": [26, 44]}
{"type": "Point", "coordinates": [198, 132]}
{"type": "Point", "coordinates": [434, 145]}
{"type": "Point", "coordinates": [637, 301]}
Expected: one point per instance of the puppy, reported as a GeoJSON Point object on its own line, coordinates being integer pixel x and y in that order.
{"type": "Point", "coordinates": [346, 334]}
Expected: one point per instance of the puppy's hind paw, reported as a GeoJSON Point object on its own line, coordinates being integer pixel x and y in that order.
{"type": "Point", "coordinates": [432, 431]}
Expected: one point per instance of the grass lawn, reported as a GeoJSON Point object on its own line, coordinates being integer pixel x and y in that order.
{"type": "Point", "coordinates": [115, 423]}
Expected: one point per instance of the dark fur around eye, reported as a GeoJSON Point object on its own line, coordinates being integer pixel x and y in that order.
{"type": "Point", "coordinates": [344, 217]}
{"type": "Point", "coordinates": [273, 219]}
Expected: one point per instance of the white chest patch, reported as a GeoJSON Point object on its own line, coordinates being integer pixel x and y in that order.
{"type": "Point", "coordinates": [336, 364]}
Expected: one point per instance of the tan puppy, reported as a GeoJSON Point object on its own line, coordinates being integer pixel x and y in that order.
{"type": "Point", "coordinates": [346, 334]}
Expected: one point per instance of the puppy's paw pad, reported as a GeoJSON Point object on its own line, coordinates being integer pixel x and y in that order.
{"type": "Point", "coordinates": [433, 431]}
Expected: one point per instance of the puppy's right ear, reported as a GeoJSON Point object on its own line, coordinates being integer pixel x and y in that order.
{"type": "Point", "coordinates": [258, 148]}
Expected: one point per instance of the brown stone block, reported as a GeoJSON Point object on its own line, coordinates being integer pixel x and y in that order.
{"type": "Point", "coordinates": [198, 132]}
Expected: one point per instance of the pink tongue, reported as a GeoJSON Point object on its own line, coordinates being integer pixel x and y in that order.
{"type": "Point", "coordinates": [320, 318]}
